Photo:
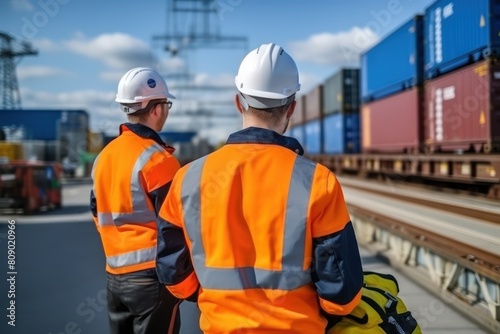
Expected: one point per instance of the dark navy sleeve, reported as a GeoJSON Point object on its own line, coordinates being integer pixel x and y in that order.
{"type": "Point", "coordinates": [337, 270]}
{"type": "Point", "coordinates": [93, 204]}
{"type": "Point", "coordinates": [173, 262]}
{"type": "Point", "coordinates": [158, 195]}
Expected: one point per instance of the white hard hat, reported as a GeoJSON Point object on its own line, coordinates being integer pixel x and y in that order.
{"type": "Point", "coordinates": [267, 77]}
{"type": "Point", "coordinates": [139, 86]}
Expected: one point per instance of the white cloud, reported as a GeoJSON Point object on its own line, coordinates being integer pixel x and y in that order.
{"type": "Point", "coordinates": [22, 5]}
{"type": "Point", "coordinates": [203, 92]}
{"type": "Point", "coordinates": [307, 82]}
{"type": "Point", "coordinates": [342, 48]}
{"type": "Point", "coordinates": [113, 76]}
{"type": "Point", "coordinates": [168, 67]}
{"type": "Point", "coordinates": [28, 72]}
{"type": "Point", "coordinates": [219, 80]}
{"type": "Point", "coordinates": [46, 45]}
{"type": "Point", "coordinates": [172, 65]}
{"type": "Point", "coordinates": [117, 50]}
{"type": "Point", "coordinates": [71, 99]}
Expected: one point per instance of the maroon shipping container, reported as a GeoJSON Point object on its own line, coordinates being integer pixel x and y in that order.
{"type": "Point", "coordinates": [462, 109]}
{"type": "Point", "coordinates": [298, 114]}
{"type": "Point", "coordinates": [392, 124]}
{"type": "Point", "coordinates": [314, 104]}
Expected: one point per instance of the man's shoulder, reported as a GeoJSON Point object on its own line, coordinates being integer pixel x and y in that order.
{"type": "Point", "coordinates": [196, 161]}
{"type": "Point", "coordinates": [319, 168]}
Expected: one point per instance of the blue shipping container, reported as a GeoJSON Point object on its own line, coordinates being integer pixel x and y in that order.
{"type": "Point", "coordinates": [313, 137]}
{"type": "Point", "coordinates": [297, 132]}
{"type": "Point", "coordinates": [458, 32]}
{"type": "Point", "coordinates": [341, 133]}
{"type": "Point", "coordinates": [45, 124]}
{"type": "Point", "coordinates": [395, 63]}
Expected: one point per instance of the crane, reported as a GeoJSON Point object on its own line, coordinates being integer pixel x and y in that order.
{"type": "Point", "coordinates": [10, 49]}
{"type": "Point", "coordinates": [194, 25]}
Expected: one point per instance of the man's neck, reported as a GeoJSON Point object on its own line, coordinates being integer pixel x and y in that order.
{"type": "Point", "coordinates": [259, 124]}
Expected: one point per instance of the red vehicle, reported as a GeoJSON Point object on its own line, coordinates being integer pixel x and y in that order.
{"type": "Point", "coordinates": [30, 186]}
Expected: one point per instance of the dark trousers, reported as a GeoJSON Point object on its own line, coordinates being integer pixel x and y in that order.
{"type": "Point", "coordinates": [139, 304]}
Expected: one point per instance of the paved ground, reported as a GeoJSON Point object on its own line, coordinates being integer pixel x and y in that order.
{"type": "Point", "coordinates": [60, 281]}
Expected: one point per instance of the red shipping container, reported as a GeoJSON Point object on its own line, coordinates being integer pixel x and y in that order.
{"type": "Point", "coordinates": [462, 109]}
{"type": "Point", "coordinates": [314, 104]}
{"type": "Point", "coordinates": [392, 124]}
{"type": "Point", "coordinates": [298, 114]}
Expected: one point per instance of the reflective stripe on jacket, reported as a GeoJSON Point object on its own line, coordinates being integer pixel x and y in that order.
{"type": "Point", "coordinates": [131, 176]}
{"type": "Point", "coordinates": [269, 236]}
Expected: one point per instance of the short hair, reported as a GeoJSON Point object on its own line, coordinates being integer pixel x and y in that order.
{"type": "Point", "coordinates": [270, 115]}
{"type": "Point", "coordinates": [142, 115]}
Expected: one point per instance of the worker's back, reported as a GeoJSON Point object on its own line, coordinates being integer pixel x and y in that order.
{"type": "Point", "coordinates": [125, 172]}
{"type": "Point", "coordinates": [264, 239]}
{"type": "Point", "coordinates": [251, 240]}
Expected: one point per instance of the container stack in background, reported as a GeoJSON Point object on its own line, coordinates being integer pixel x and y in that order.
{"type": "Point", "coordinates": [340, 125]}
{"type": "Point", "coordinates": [313, 114]}
{"type": "Point", "coordinates": [430, 86]}
{"type": "Point", "coordinates": [462, 72]}
{"type": "Point", "coordinates": [296, 126]}
{"type": "Point", "coordinates": [326, 118]}
{"type": "Point", "coordinates": [391, 80]}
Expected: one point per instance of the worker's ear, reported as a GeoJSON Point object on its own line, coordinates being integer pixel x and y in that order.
{"type": "Point", "coordinates": [156, 110]}
{"type": "Point", "coordinates": [291, 109]}
{"type": "Point", "coordinates": [237, 103]}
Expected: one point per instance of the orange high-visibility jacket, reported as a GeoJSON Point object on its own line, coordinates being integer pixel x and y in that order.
{"type": "Point", "coordinates": [267, 237]}
{"type": "Point", "coordinates": [131, 176]}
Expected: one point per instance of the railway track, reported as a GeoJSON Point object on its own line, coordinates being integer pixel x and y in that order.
{"type": "Point", "coordinates": [477, 260]}
{"type": "Point", "coordinates": [492, 217]}
{"type": "Point", "coordinates": [465, 275]}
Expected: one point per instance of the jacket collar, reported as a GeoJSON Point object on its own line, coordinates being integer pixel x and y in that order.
{"type": "Point", "coordinates": [145, 132]}
{"type": "Point", "coordinates": [254, 135]}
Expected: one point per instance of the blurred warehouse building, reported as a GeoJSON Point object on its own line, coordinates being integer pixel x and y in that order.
{"type": "Point", "coordinates": [64, 136]}
{"type": "Point", "coordinates": [50, 135]}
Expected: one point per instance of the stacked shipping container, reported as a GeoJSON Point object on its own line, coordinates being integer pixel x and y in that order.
{"type": "Point", "coordinates": [462, 107]}
{"type": "Point", "coordinates": [341, 133]}
{"type": "Point", "coordinates": [431, 85]}
{"type": "Point", "coordinates": [313, 115]}
{"type": "Point", "coordinates": [296, 129]}
{"type": "Point", "coordinates": [395, 63]}
{"type": "Point", "coordinates": [330, 115]}
{"type": "Point", "coordinates": [448, 104]}
{"type": "Point", "coordinates": [391, 94]}
{"type": "Point", "coordinates": [459, 32]}
{"type": "Point", "coordinates": [340, 124]}
{"type": "Point", "coordinates": [392, 124]}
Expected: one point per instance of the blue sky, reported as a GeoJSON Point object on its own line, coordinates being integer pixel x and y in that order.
{"type": "Point", "coordinates": [85, 46]}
